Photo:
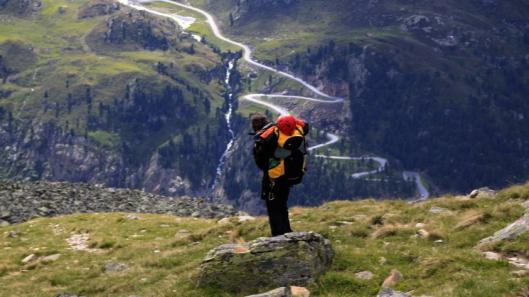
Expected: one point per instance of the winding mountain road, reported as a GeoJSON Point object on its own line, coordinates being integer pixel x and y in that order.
{"type": "Point", "coordinates": [260, 98]}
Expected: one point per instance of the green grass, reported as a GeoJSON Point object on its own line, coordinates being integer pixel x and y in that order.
{"type": "Point", "coordinates": [163, 252]}
{"type": "Point", "coordinates": [63, 54]}
{"type": "Point", "coordinates": [104, 138]}
{"type": "Point", "coordinates": [200, 27]}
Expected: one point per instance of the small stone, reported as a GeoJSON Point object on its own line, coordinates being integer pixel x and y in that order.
{"type": "Point", "coordinates": [12, 234]}
{"type": "Point", "coordinates": [115, 267]}
{"type": "Point", "coordinates": [519, 262]}
{"type": "Point", "coordinates": [473, 194]}
{"type": "Point", "coordinates": [439, 241]}
{"type": "Point", "coordinates": [132, 217]}
{"type": "Point", "coordinates": [243, 219]}
{"type": "Point", "coordinates": [364, 275]}
{"type": "Point", "coordinates": [387, 292]}
{"type": "Point", "coordinates": [43, 210]}
{"type": "Point", "coordinates": [279, 292]}
{"type": "Point", "coordinates": [51, 258]}
{"type": "Point", "coordinates": [29, 258]}
{"type": "Point", "coordinates": [437, 210]}
{"type": "Point", "coordinates": [420, 225]}
{"type": "Point", "coordinates": [223, 221]}
{"type": "Point", "coordinates": [382, 261]}
{"type": "Point", "coordinates": [299, 291]}
{"type": "Point", "coordinates": [195, 214]}
{"type": "Point", "coordinates": [520, 273]}
{"type": "Point", "coordinates": [423, 233]}
{"type": "Point", "coordinates": [526, 204]}
{"type": "Point", "coordinates": [393, 279]}
{"type": "Point", "coordinates": [344, 223]}
{"type": "Point", "coordinates": [482, 193]}
{"type": "Point", "coordinates": [492, 256]}
{"type": "Point", "coordinates": [5, 214]}
{"type": "Point", "coordinates": [4, 223]}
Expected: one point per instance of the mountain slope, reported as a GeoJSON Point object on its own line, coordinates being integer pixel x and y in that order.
{"type": "Point", "coordinates": [431, 243]}
{"type": "Point", "coordinates": [440, 87]}
{"type": "Point", "coordinates": [96, 92]}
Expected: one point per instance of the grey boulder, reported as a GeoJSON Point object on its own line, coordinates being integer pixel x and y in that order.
{"type": "Point", "coordinates": [510, 232]}
{"type": "Point", "coordinates": [297, 258]}
{"type": "Point", "coordinates": [386, 292]}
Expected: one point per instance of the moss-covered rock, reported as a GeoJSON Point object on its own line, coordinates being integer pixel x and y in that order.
{"type": "Point", "coordinates": [96, 8]}
{"type": "Point", "coordinates": [297, 258]}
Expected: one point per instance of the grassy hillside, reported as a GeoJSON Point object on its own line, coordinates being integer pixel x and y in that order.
{"type": "Point", "coordinates": [162, 253]}
{"type": "Point", "coordinates": [118, 83]}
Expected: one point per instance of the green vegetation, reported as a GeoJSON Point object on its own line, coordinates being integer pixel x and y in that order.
{"type": "Point", "coordinates": [129, 96]}
{"type": "Point", "coordinates": [163, 253]}
{"type": "Point", "coordinates": [440, 88]}
{"type": "Point", "coordinates": [200, 27]}
{"type": "Point", "coordinates": [104, 138]}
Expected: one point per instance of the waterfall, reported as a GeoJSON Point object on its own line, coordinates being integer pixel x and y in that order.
{"type": "Point", "coordinates": [228, 116]}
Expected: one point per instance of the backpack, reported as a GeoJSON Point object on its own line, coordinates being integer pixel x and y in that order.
{"type": "Point", "coordinates": [287, 164]}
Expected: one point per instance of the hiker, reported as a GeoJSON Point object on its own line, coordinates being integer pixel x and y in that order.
{"type": "Point", "coordinates": [279, 151]}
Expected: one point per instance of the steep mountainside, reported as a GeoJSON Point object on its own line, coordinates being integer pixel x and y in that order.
{"type": "Point", "coordinates": [93, 91]}
{"type": "Point", "coordinates": [439, 86]}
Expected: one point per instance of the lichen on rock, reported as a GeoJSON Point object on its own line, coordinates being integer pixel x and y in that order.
{"type": "Point", "coordinates": [297, 258]}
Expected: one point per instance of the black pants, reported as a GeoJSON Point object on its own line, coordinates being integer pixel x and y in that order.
{"type": "Point", "coordinates": [276, 198]}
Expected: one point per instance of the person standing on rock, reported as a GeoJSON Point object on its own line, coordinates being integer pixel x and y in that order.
{"type": "Point", "coordinates": [279, 151]}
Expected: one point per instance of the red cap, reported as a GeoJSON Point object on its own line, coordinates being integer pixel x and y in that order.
{"type": "Point", "coordinates": [287, 124]}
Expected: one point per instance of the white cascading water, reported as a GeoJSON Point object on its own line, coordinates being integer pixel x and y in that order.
{"type": "Point", "coordinates": [258, 98]}
{"type": "Point", "coordinates": [228, 115]}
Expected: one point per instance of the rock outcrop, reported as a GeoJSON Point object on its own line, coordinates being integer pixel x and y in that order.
{"type": "Point", "coordinates": [392, 293]}
{"type": "Point", "coordinates": [20, 201]}
{"type": "Point", "coordinates": [20, 7]}
{"type": "Point", "coordinates": [297, 258]}
{"type": "Point", "coordinates": [141, 30]}
{"type": "Point", "coordinates": [291, 291]}
{"type": "Point", "coordinates": [510, 232]}
{"type": "Point", "coordinates": [98, 8]}
{"type": "Point", "coordinates": [482, 193]}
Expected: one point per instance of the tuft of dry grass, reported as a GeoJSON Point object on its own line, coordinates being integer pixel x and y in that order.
{"type": "Point", "coordinates": [392, 230]}
{"type": "Point", "coordinates": [471, 218]}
